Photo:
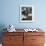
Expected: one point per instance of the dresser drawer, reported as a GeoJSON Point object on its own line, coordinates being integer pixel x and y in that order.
{"type": "Point", "coordinates": [37, 44]}
{"type": "Point", "coordinates": [37, 39]}
{"type": "Point", "coordinates": [13, 44]}
{"type": "Point", "coordinates": [12, 39]}
{"type": "Point", "coordinates": [13, 33]}
{"type": "Point", "coordinates": [34, 33]}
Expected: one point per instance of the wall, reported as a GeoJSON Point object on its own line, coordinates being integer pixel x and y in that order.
{"type": "Point", "coordinates": [10, 13]}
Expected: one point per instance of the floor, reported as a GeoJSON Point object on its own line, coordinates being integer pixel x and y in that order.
{"type": "Point", "coordinates": [0, 44]}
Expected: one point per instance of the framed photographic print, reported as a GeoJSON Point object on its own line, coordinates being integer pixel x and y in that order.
{"type": "Point", "coordinates": [26, 13]}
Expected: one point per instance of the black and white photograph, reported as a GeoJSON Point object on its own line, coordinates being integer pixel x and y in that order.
{"type": "Point", "coordinates": [26, 13]}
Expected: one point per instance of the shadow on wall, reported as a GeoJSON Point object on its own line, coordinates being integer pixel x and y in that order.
{"type": "Point", "coordinates": [2, 26]}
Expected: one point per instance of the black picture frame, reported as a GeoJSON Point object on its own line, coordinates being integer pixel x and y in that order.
{"type": "Point", "coordinates": [26, 13]}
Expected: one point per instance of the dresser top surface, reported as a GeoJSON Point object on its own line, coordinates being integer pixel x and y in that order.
{"type": "Point", "coordinates": [22, 30]}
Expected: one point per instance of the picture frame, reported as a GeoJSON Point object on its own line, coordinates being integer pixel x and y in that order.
{"type": "Point", "coordinates": [27, 13]}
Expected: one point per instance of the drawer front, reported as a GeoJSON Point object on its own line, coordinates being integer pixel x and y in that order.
{"type": "Point", "coordinates": [13, 33]}
{"type": "Point", "coordinates": [37, 45]}
{"type": "Point", "coordinates": [37, 39]}
{"type": "Point", "coordinates": [12, 39]}
{"type": "Point", "coordinates": [34, 33]}
{"type": "Point", "coordinates": [33, 40]}
{"type": "Point", "coordinates": [12, 44]}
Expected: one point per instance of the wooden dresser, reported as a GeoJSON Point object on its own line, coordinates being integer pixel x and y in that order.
{"type": "Point", "coordinates": [23, 38]}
